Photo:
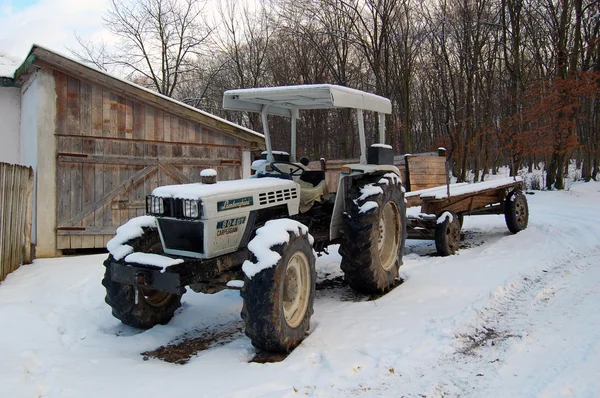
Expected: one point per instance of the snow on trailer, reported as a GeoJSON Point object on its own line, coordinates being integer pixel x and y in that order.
{"type": "Point", "coordinates": [468, 189]}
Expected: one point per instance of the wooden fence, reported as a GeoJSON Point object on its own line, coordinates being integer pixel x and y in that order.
{"type": "Point", "coordinates": [16, 195]}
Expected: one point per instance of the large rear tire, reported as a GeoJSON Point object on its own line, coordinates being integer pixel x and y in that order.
{"type": "Point", "coordinates": [278, 301]}
{"type": "Point", "coordinates": [374, 234]}
{"type": "Point", "coordinates": [151, 307]}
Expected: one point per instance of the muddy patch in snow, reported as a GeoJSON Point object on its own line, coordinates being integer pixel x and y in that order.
{"type": "Point", "coordinates": [337, 288]}
{"type": "Point", "coordinates": [469, 239]}
{"type": "Point", "coordinates": [483, 337]}
{"type": "Point", "coordinates": [181, 350]}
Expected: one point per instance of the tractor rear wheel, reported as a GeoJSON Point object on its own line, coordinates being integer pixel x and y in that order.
{"type": "Point", "coordinates": [374, 233]}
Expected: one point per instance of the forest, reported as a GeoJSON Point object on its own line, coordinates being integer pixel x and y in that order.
{"type": "Point", "coordinates": [496, 82]}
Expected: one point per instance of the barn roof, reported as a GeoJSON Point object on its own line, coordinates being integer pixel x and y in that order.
{"type": "Point", "coordinates": [40, 56]}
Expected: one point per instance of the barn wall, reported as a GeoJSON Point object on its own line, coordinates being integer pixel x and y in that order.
{"type": "Point", "coordinates": [112, 151]}
{"type": "Point", "coordinates": [10, 110]}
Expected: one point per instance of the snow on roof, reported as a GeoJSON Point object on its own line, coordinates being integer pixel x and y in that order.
{"type": "Point", "coordinates": [198, 190]}
{"type": "Point", "coordinates": [8, 65]}
{"type": "Point", "coordinates": [282, 100]}
{"type": "Point", "coordinates": [146, 89]}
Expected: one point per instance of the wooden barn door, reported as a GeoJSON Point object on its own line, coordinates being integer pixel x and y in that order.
{"type": "Point", "coordinates": [113, 151]}
{"type": "Point", "coordinates": [95, 195]}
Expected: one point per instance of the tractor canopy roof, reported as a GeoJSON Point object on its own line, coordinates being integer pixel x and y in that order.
{"type": "Point", "coordinates": [283, 100]}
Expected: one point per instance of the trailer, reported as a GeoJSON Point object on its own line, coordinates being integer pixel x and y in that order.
{"type": "Point", "coordinates": [443, 207]}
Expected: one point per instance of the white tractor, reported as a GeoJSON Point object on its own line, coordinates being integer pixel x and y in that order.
{"type": "Point", "coordinates": [261, 234]}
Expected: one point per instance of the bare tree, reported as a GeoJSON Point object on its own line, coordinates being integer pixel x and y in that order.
{"type": "Point", "coordinates": [158, 41]}
{"type": "Point", "coordinates": [243, 41]}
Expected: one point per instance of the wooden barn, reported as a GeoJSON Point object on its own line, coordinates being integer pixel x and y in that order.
{"type": "Point", "coordinates": [99, 145]}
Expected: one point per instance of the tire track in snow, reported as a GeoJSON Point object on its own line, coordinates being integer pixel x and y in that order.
{"type": "Point", "coordinates": [517, 314]}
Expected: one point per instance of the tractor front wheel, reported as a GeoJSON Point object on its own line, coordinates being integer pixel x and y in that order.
{"type": "Point", "coordinates": [278, 300]}
{"type": "Point", "coordinates": [134, 305]}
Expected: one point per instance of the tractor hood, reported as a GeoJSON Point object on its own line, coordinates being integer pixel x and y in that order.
{"type": "Point", "coordinates": [222, 188]}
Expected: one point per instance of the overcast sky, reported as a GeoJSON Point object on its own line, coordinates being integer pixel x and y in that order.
{"type": "Point", "coordinates": [53, 24]}
{"type": "Point", "coordinates": [50, 23]}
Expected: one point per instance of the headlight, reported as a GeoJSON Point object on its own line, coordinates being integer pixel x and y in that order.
{"type": "Point", "coordinates": [191, 208]}
{"type": "Point", "coordinates": [155, 205]}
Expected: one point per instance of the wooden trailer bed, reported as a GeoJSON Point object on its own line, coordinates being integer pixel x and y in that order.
{"type": "Point", "coordinates": [443, 207]}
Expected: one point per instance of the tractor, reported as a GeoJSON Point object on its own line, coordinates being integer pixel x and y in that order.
{"type": "Point", "coordinates": [262, 234]}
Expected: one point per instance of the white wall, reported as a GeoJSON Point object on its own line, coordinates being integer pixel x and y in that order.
{"type": "Point", "coordinates": [29, 120]}
{"type": "Point", "coordinates": [10, 117]}
{"type": "Point", "coordinates": [45, 146]}
{"type": "Point", "coordinates": [38, 150]}
{"type": "Point", "coordinates": [28, 139]}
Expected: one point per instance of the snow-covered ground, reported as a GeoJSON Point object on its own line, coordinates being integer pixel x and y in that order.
{"type": "Point", "coordinates": [508, 316]}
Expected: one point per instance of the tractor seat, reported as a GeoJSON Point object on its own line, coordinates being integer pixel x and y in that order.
{"type": "Point", "coordinates": [313, 177]}
{"type": "Point", "coordinates": [309, 193]}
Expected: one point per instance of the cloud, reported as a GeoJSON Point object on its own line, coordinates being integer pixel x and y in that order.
{"type": "Point", "coordinates": [50, 23]}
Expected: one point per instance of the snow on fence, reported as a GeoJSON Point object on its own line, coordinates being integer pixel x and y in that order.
{"type": "Point", "coordinates": [16, 194]}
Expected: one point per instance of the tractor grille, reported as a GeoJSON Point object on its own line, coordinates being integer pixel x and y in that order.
{"type": "Point", "coordinates": [277, 196]}
{"type": "Point", "coordinates": [182, 235]}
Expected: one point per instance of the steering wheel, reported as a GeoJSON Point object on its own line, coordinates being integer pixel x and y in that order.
{"type": "Point", "coordinates": [293, 172]}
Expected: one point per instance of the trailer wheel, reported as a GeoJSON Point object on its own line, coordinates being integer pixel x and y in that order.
{"type": "Point", "coordinates": [516, 211]}
{"type": "Point", "coordinates": [374, 235]}
{"type": "Point", "coordinates": [278, 301]}
{"type": "Point", "coordinates": [151, 307]}
{"type": "Point", "coordinates": [447, 234]}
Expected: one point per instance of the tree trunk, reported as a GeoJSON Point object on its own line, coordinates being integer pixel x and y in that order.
{"type": "Point", "coordinates": [560, 180]}
{"type": "Point", "coordinates": [586, 167]}
{"type": "Point", "coordinates": [551, 172]}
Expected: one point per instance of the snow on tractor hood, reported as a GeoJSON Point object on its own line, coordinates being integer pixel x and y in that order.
{"type": "Point", "coordinates": [200, 191]}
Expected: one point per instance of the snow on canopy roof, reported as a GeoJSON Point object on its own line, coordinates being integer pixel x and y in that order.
{"type": "Point", "coordinates": [8, 65]}
{"type": "Point", "coordinates": [281, 100]}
